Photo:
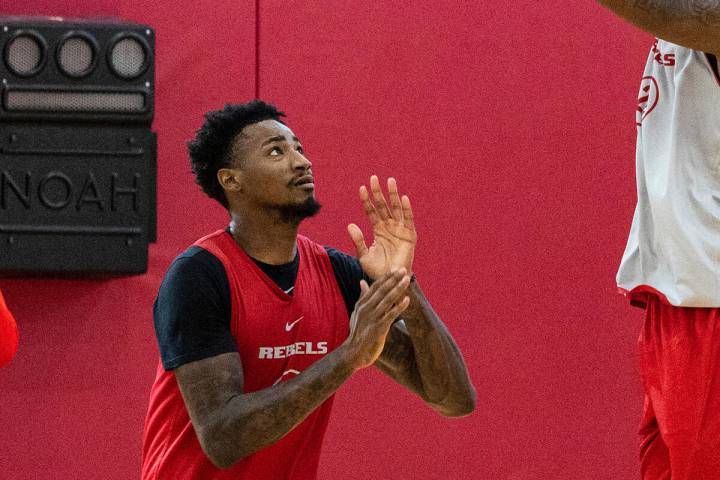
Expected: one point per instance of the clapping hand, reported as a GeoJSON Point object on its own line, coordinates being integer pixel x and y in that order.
{"type": "Point", "coordinates": [394, 235]}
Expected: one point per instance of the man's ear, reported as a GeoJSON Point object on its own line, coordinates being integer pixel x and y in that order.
{"type": "Point", "coordinates": [230, 179]}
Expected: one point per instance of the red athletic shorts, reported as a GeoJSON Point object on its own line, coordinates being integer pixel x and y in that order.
{"type": "Point", "coordinates": [680, 368]}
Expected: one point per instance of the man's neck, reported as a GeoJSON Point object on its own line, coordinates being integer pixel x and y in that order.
{"type": "Point", "coordinates": [267, 238]}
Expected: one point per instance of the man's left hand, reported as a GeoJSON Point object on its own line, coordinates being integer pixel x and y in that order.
{"type": "Point", "coordinates": [394, 235]}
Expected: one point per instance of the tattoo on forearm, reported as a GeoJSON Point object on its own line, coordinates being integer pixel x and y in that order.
{"type": "Point", "coordinates": [422, 355]}
{"type": "Point", "coordinates": [231, 425]}
{"type": "Point", "coordinates": [705, 11]}
{"type": "Point", "coordinates": [646, 5]}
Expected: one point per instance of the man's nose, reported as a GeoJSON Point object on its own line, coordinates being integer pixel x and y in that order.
{"type": "Point", "coordinates": [300, 162]}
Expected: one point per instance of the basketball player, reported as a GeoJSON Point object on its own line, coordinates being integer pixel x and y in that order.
{"type": "Point", "coordinates": [671, 264]}
{"type": "Point", "coordinates": [8, 334]}
{"type": "Point", "coordinates": [259, 326]}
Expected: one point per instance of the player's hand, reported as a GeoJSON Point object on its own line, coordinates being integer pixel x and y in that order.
{"type": "Point", "coordinates": [394, 235]}
{"type": "Point", "coordinates": [374, 314]}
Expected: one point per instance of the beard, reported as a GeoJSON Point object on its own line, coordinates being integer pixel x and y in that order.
{"type": "Point", "coordinates": [296, 212]}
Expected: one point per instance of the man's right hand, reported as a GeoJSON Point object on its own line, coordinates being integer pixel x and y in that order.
{"type": "Point", "coordinates": [232, 424]}
{"type": "Point", "coordinates": [375, 311]}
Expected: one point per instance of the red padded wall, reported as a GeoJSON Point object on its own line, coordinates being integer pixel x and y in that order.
{"type": "Point", "coordinates": [512, 130]}
{"type": "Point", "coordinates": [73, 402]}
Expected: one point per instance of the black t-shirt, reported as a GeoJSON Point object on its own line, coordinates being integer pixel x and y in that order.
{"type": "Point", "coordinates": [192, 309]}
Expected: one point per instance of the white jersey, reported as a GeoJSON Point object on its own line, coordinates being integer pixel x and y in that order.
{"type": "Point", "coordinates": [674, 244]}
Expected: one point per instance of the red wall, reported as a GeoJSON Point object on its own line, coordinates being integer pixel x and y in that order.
{"type": "Point", "coordinates": [512, 130]}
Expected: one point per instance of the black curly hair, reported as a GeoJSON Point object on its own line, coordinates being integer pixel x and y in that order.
{"type": "Point", "coordinates": [210, 149]}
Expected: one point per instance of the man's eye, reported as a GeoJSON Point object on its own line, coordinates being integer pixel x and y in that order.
{"type": "Point", "coordinates": [275, 151]}
{"type": "Point", "coordinates": [300, 149]}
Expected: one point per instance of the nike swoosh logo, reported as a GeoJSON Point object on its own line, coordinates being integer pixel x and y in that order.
{"type": "Point", "coordinates": [289, 326]}
{"type": "Point", "coordinates": [295, 372]}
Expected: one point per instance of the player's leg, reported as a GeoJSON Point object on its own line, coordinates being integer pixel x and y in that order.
{"type": "Point", "coordinates": [705, 455]}
{"type": "Point", "coordinates": [654, 457]}
{"type": "Point", "coordinates": [679, 363]}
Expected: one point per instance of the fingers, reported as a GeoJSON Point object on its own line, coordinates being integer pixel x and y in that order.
{"type": "Point", "coordinates": [368, 206]}
{"type": "Point", "coordinates": [357, 237]}
{"type": "Point", "coordinates": [393, 297]}
{"type": "Point", "coordinates": [380, 204]}
{"type": "Point", "coordinates": [399, 208]}
{"type": "Point", "coordinates": [396, 310]}
{"type": "Point", "coordinates": [380, 288]}
{"type": "Point", "coordinates": [387, 289]}
{"type": "Point", "coordinates": [408, 218]}
{"type": "Point", "coordinates": [364, 288]}
{"type": "Point", "coordinates": [395, 206]}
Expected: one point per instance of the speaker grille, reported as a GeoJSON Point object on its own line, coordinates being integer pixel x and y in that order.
{"type": "Point", "coordinates": [76, 56]}
{"type": "Point", "coordinates": [24, 55]}
{"type": "Point", "coordinates": [64, 101]}
{"type": "Point", "coordinates": [128, 57]}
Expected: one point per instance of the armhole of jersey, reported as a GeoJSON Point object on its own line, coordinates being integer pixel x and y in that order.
{"type": "Point", "coordinates": [713, 62]}
{"type": "Point", "coordinates": [223, 273]}
{"type": "Point", "coordinates": [349, 291]}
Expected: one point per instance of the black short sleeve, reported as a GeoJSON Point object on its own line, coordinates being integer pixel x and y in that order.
{"type": "Point", "coordinates": [192, 310]}
{"type": "Point", "coordinates": [348, 274]}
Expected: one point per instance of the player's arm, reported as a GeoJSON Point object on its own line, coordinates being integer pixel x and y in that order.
{"type": "Point", "coordinates": [692, 23]}
{"type": "Point", "coordinates": [420, 355]}
{"type": "Point", "coordinates": [231, 424]}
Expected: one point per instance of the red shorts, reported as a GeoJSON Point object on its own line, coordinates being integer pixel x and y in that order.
{"type": "Point", "coordinates": [680, 368]}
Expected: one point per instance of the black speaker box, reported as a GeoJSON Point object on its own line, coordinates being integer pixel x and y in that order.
{"type": "Point", "coordinates": [78, 160]}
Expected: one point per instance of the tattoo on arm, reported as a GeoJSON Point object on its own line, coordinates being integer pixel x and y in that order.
{"type": "Point", "coordinates": [231, 424]}
{"type": "Point", "coordinates": [421, 355]}
{"type": "Point", "coordinates": [646, 5]}
{"type": "Point", "coordinates": [707, 11]}
{"type": "Point", "coordinates": [703, 11]}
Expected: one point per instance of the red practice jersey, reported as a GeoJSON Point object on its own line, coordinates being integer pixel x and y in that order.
{"type": "Point", "coordinates": [8, 334]}
{"type": "Point", "coordinates": [278, 336]}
